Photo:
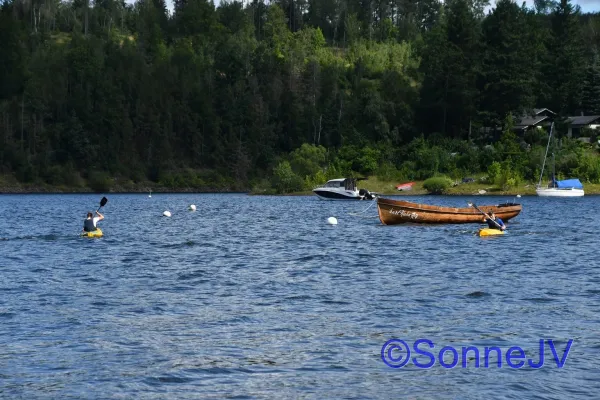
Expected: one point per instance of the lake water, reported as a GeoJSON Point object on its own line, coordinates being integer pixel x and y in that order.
{"type": "Point", "coordinates": [258, 297]}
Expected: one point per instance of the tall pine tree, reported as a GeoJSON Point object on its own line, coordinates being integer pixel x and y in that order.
{"type": "Point", "coordinates": [451, 64]}
{"type": "Point", "coordinates": [591, 88]}
{"type": "Point", "coordinates": [508, 74]}
{"type": "Point", "coordinates": [565, 69]}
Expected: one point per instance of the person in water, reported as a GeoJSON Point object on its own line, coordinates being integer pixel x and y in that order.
{"type": "Point", "coordinates": [89, 225]}
{"type": "Point", "coordinates": [490, 218]}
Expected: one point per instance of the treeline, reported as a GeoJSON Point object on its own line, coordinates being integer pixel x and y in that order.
{"type": "Point", "coordinates": [217, 97]}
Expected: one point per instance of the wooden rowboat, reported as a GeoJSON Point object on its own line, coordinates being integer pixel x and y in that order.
{"type": "Point", "coordinates": [392, 212]}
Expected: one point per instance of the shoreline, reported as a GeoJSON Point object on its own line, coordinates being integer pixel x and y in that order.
{"type": "Point", "coordinates": [24, 191]}
{"type": "Point", "coordinates": [381, 188]}
{"type": "Point", "coordinates": [47, 189]}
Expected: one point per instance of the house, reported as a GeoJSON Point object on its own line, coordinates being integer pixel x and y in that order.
{"type": "Point", "coordinates": [583, 121]}
{"type": "Point", "coordinates": [540, 117]}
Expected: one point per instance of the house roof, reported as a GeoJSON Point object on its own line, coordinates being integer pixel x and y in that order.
{"type": "Point", "coordinates": [529, 121]}
{"type": "Point", "coordinates": [536, 111]}
{"type": "Point", "coordinates": [534, 118]}
{"type": "Point", "coordinates": [583, 120]}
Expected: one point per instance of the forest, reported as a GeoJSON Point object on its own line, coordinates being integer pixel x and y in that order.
{"type": "Point", "coordinates": [281, 95]}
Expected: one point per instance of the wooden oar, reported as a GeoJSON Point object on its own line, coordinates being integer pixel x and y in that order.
{"type": "Point", "coordinates": [487, 216]}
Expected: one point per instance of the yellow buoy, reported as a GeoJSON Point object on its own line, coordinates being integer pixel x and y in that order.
{"type": "Point", "coordinates": [490, 232]}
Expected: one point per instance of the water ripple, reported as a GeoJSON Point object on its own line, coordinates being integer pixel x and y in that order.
{"type": "Point", "coordinates": [258, 297]}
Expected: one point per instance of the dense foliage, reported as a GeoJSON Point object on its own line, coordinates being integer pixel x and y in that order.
{"type": "Point", "coordinates": [287, 93]}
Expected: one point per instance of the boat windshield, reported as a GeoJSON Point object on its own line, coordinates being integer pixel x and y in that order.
{"type": "Point", "coordinates": [335, 184]}
{"type": "Point", "coordinates": [349, 184]}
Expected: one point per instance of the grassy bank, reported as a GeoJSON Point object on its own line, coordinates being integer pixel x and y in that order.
{"type": "Point", "coordinates": [467, 189]}
{"type": "Point", "coordinates": [462, 189]}
{"type": "Point", "coordinates": [10, 185]}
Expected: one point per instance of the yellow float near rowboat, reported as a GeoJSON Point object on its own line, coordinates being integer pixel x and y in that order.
{"type": "Point", "coordinates": [490, 232]}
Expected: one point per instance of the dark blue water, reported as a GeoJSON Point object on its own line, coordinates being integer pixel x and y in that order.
{"type": "Point", "coordinates": [258, 297]}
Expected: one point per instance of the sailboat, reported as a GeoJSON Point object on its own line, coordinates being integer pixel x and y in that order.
{"type": "Point", "coordinates": [564, 188]}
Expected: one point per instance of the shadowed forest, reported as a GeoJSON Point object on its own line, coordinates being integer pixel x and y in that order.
{"type": "Point", "coordinates": [282, 95]}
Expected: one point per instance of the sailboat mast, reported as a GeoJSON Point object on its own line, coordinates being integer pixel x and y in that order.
{"type": "Point", "coordinates": [546, 155]}
{"type": "Point", "coordinates": [553, 169]}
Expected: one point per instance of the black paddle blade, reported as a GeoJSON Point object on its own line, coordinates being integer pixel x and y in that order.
{"type": "Point", "coordinates": [103, 201]}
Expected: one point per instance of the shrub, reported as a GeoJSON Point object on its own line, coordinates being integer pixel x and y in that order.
{"type": "Point", "coordinates": [589, 168]}
{"type": "Point", "coordinates": [99, 181]}
{"type": "Point", "coordinates": [62, 175]}
{"type": "Point", "coordinates": [368, 161]}
{"type": "Point", "coordinates": [263, 186]}
{"type": "Point", "coordinates": [388, 172]}
{"type": "Point", "coordinates": [311, 181]}
{"type": "Point", "coordinates": [308, 159]}
{"type": "Point", "coordinates": [494, 171]}
{"type": "Point", "coordinates": [437, 184]}
{"type": "Point", "coordinates": [507, 177]}
{"type": "Point", "coordinates": [285, 180]}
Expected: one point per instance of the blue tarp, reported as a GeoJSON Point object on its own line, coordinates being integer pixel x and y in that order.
{"type": "Point", "coordinates": [569, 183]}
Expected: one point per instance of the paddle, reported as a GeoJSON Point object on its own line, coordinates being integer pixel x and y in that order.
{"type": "Point", "coordinates": [102, 203]}
{"type": "Point", "coordinates": [477, 208]}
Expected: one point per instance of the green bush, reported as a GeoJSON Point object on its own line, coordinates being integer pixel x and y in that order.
{"type": "Point", "coordinates": [57, 175]}
{"type": "Point", "coordinates": [368, 161]}
{"type": "Point", "coordinates": [285, 180]}
{"type": "Point", "coordinates": [437, 184]}
{"type": "Point", "coordinates": [311, 181]}
{"type": "Point", "coordinates": [137, 175]}
{"type": "Point", "coordinates": [507, 176]}
{"type": "Point", "coordinates": [588, 169]}
{"type": "Point", "coordinates": [262, 186]}
{"type": "Point", "coordinates": [308, 159]}
{"type": "Point", "coordinates": [388, 172]}
{"type": "Point", "coordinates": [99, 181]}
{"type": "Point", "coordinates": [494, 171]}
{"type": "Point", "coordinates": [408, 170]}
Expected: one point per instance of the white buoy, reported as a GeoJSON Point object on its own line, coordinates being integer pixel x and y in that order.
{"type": "Point", "coordinates": [519, 196]}
{"type": "Point", "coordinates": [192, 207]}
{"type": "Point", "coordinates": [167, 213]}
{"type": "Point", "coordinates": [332, 221]}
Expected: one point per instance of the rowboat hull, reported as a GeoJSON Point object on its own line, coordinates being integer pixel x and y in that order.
{"type": "Point", "coordinates": [393, 212]}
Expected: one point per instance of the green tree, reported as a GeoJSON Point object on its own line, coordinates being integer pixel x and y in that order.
{"type": "Point", "coordinates": [590, 96]}
{"type": "Point", "coordinates": [450, 64]}
{"type": "Point", "coordinates": [285, 180]}
{"type": "Point", "coordinates": [565, 69]}
{"type": "Point", "coordinates": [508, 77]}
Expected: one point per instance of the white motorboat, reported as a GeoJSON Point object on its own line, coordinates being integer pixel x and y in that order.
{"type": "Point", "coordinates": [342, 189]}
{"type": "Point", "coordinates": [556, 188]}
